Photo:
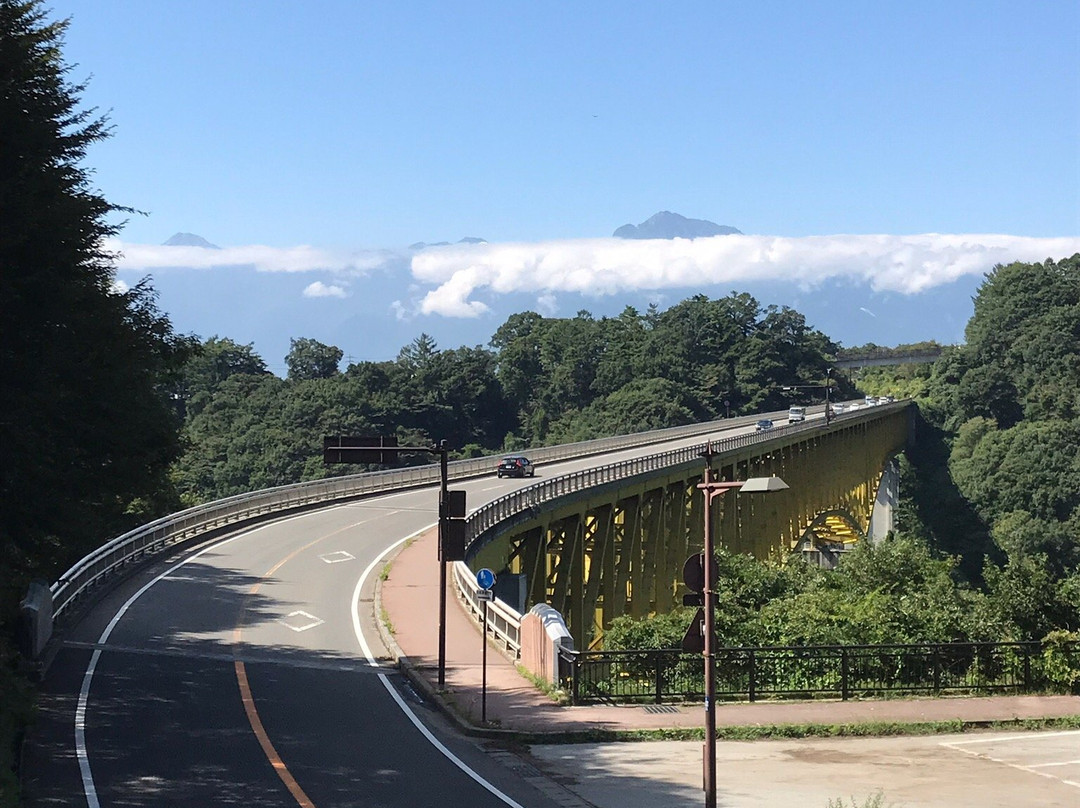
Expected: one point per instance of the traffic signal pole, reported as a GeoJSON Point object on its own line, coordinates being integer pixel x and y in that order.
{"type": "Point", "coordinates": [444, 531]}
{"type": "Point", "coordinates": [384, 449]}
{"type": "Point", "coordinates": [711, 490]}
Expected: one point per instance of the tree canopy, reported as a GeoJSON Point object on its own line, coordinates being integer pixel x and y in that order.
{"type": "Point", "coordinates": [88, 430]}
{"type": "Point", "coordinates": [540, 381]}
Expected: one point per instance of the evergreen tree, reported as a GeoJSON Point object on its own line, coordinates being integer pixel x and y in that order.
{"type": "Point", "coordinates": [86, 428]}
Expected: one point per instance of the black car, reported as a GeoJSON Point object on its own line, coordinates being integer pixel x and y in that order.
{"type": "Point", "coordinates": [764, 424]}
{"type": "Point", "coordinates": [516, 466]}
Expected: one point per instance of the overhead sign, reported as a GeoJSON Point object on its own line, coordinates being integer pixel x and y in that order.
{"type": "Point", "coordinates": [360, 449]}
{"type": "Point", "coordinates": [485, 578]}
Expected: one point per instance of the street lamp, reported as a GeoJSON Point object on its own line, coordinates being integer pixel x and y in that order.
{"type": "Point", "coordinates": [754, 485]}
{"type": "Point", "coordinates": [828, 384]}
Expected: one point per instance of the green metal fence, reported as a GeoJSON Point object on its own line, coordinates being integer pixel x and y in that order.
{"type": "Point", "coordinates": [821, 671]}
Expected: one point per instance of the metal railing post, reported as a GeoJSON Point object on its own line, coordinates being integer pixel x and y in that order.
{"type": "Point", "coordinates": [844, 690]}
{"type": "Point", "coordinates": [659, 676]}
{"type": "Point", "coordinates": [753, 676]}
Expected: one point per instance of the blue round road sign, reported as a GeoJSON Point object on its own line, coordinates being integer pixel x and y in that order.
{"type": "Point", "coordinates": [485, 579]}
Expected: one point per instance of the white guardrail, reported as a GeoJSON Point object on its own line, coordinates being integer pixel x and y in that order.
{"type": "Point", "coordinates": [168, 532]}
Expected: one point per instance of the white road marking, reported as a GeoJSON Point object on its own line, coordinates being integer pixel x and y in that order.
{"type": "Point", "coordinates": [337, 557]}
{"type": "Point", "coordinates": [1034, 736]}
{"type": "Point", "coordinates": [394, 694]}
{"type": "Point", "coordinates": [1062, 763]}
{"type": "Point", "coordinates": [312, 621]}
{"type": "Point", "coordinates": [1031, 768]}
{"type": "Point", "coordinates": [81, 751]}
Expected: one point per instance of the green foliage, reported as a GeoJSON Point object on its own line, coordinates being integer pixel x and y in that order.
{"type": "Point", "coordinates": [1061, 659]}
{"type": "Point", "coordinates": [545, 381]}
{"type": "Point", "coordinates": [88, 428]}
{"type": "Point", "coordinates": [310, 359]}
{"type": "Point", "coordinates": [657, 631]}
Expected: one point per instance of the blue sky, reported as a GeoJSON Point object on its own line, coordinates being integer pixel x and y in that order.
{"type": "Point", "coordinates": [352, 130]}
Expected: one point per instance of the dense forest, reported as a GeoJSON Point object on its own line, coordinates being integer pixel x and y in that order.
{"type": "Point", "coordinates": [541, 381]}
{"type": "Point", "coordinates": [110, 418]}
{"type": "Point", "coordinates": [987, 544]}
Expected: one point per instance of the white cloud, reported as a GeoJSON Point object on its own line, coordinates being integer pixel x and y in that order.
{"type": "Point", "coordinates": [547, 303]}
{"type": "Point", "coordinates": [145, 257]}
{"type": "Point", "coordinates": [904, 264]}
{"type": "Point", "coordinates": [320, 289]}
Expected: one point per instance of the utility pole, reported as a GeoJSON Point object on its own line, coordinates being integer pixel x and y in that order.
{"type": "Point", "coordinates": [444, 537]}
{"type": "Point", "coordinates": [828, 385]}
{"type": "Point", "coordinates": [712, 489]}
{"type": "Point", "coordinates": [384, 449]}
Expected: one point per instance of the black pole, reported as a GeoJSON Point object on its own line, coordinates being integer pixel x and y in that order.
{"type": "Point", "coordinates": [828, 384]}
{"type": "Point", "coordinates": [444, 518]}
{"type": "Point", "coordinates": [483, 675]}
{"type": "Point", "coordinates": [710, 640]}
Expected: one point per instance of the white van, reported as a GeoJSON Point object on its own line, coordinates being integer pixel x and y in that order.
{"type": "Point", "coordinates": [795, 414]}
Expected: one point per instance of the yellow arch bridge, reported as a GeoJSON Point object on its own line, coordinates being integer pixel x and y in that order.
{"type": "Point", "coordinates": [612, 541]}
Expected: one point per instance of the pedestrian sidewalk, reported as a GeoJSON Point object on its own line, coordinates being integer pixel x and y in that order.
{"type": "Point", "coordinates": [410, 598]}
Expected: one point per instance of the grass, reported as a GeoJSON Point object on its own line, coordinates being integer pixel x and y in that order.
{"type": "Point", "coordinates": [384, 616]}
{"type": "Point", "coordinates": [873, 801]}
{"type": "Point", "coordinates": [556, 694]}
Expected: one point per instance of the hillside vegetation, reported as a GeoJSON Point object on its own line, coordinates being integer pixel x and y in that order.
{"type": "Point", "coordinates": [541, 381]}
{"type": "Point", "coordinates": [988, 539]}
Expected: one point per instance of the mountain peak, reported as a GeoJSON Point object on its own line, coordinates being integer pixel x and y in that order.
{"type": "Point", "coordinates": [423, 245]}
{"type": "Point", "coordinates": [666, 224]}
{"type": "Point", "coordinates": [189, 240]}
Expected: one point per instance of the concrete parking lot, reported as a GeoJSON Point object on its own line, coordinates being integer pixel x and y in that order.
{"type": "Point", "coordinates": [988, 770]}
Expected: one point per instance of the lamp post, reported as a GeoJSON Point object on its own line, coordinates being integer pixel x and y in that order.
{"type": "Point", "coordinates": [711, 490]}
{"type": "Point", "coordinates": [828, 384]}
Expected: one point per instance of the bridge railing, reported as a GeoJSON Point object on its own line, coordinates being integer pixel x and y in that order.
{"type": "Point", "coordinates": [500, 510]}
{"type": "Point", "coordinates": [169, 531]}
{"type": "Point", "coordinates": [486, 521]}
{"type": "Point", "coordinates": [832, 671]}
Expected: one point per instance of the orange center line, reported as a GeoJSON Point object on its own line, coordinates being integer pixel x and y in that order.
{"type": "Point", "coordinates": [248, 699]}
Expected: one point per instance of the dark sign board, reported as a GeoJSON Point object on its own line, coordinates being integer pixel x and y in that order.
{"type": "Point", "coordinates": [380, 449]}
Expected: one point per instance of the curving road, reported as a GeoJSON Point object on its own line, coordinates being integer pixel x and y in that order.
{"type": "Point", "coordinates": [247, 671]}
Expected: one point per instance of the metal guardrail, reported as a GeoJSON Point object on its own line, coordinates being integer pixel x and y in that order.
{"type": "Point", "coordinates": [497, 511]}
{"type": "Point", "coordinates": [170, 531]}
{"type": "Point", "coordinates": [118, 554]}
{"type": "Point", "coordinates": [813, 671]}
{"type": "Point", "coordinates": [485, 522]}
{"type": "Point", "coordinates": [504, 622]}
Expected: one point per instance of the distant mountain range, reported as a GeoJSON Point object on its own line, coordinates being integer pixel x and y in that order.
{"type": "Point", "coordinates": [373, 321]}
{"type": "Point", "coordinates": [666, 224]}
{"type": "Point", "coordinates": [423, 245]}
{"type": "Point", "coordinates": [189, 240]}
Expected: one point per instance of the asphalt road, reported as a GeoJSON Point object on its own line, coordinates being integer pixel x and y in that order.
{"type": "Point", "coordinates": [247, 671]}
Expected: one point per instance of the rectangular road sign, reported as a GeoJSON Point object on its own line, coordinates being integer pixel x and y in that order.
{"type": "Point", "coordinates": [360, 449]}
